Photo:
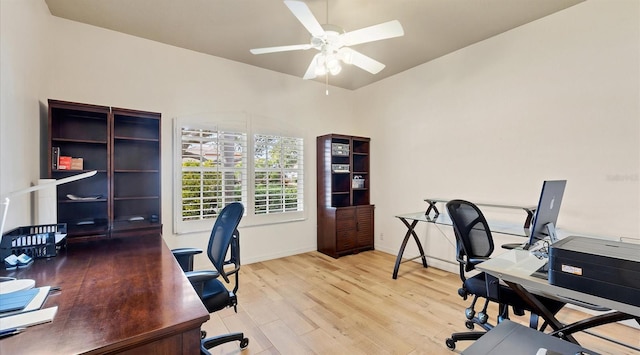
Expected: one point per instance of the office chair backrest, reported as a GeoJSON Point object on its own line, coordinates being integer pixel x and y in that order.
{"type": "Point", "coordinates": [472, 232]}
{"type": "Point", "coordinates": [223, 235]}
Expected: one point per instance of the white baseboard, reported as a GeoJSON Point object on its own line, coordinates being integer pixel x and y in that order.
{"type": "Point", "coordinates": [281, 254]}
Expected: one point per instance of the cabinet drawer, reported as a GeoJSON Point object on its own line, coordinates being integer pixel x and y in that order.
{"type": "Point", "coordinates": [345, 239]}
{"type": "Point", "coordinates": [346, 225]}
{"type": "Point", "coordinates": [345, 213]}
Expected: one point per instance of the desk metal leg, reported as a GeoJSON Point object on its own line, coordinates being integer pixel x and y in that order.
{"type": "Point", "coordinates": [540, 310]}
{"type": "Point", "coordinates": [410, 232]}
{"type": "Point", "coordinates": [564, 331]}
{"type": "Point", "coordinates": [592, 322]}
{"type": "Point", "coordinates": [527, 221]}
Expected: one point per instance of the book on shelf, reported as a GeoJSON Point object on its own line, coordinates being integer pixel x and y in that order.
{"type": "Point", "coordinates": [55, 156]}
{"type": "Point", "coordinates": [77, 163]}
{"type": "Point", "coordinates": [64, 163]}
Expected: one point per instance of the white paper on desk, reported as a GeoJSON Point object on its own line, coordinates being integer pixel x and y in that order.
{"type": "Point", "coordinates": [529, 265]}
{"type": "Point", "coordinates": [27, 319]}
{"type": "Point", "coordinates": [35, 303]}
{"type": "Point", "coordinates": [522, 261]}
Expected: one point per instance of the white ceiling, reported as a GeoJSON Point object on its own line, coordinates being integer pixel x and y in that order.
{"type": "Point", "coordinates": [229, 28]}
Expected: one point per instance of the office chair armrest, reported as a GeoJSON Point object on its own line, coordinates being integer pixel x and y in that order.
{"type": "Point", "coordinates": [184, 256]}
{"type": "Point", "coordinates": [186, 251]}
{"type": "Point", "coordinates": [477, 260]}
{"type": "Point", "coordinates": [199, 278]}
{"type": "Point", "coordinates": [510, 246]}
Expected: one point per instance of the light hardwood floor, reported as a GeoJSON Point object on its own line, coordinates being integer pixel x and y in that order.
{"type": "Point", "coordinates": [314, 304]}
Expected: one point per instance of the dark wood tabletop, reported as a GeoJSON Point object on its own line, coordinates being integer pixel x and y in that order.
{"type": "Point", "coordinates": [117, 295]}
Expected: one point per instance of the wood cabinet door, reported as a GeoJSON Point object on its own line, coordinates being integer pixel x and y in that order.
{"type": "Point", "coordinates": [345, 229]}
{"type": "Point", "coordinates": [364, 226]}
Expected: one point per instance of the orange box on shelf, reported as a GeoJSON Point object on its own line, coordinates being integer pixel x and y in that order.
{"type": "Point", "coordinates": [64, 163]}
{"type": "Point", "coordinates": [77, 164]}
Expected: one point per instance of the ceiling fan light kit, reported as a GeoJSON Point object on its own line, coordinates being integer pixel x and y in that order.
{"type": "Point", "coordinates": [333, 43]}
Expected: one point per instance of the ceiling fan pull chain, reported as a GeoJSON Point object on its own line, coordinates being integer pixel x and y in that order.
{"type": "Point", "coordinates": [327, 12]}
{"type": "Point", "coordinates": [326, 83]}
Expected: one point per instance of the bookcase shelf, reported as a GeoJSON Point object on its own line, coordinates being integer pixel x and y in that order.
{"type": "Point", "coordinates": [123, 145]}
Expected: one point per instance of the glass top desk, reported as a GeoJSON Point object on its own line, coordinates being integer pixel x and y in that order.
{"type": "Point", "coordinates": [515, 267]}
{"type": "Point", "coordinates": [433, 215]}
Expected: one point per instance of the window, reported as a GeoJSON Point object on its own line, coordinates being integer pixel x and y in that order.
{"type": "Point", "coordinates": [213, 171]}
{"type": "Point", "coordinates": [278, 183]}
{"type": "Point", "coordinates": [217, 166]}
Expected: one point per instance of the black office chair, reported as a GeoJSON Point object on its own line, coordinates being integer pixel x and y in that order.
{"type": "Point", "coordinates": [474, 244]}
{"type": "Point", "coordinates": [213, 293]}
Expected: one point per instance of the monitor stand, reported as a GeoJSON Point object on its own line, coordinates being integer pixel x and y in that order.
{"type": "Point", "coordinates": [551, 232]}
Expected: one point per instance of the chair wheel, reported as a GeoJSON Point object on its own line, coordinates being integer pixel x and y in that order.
{"type": "Point", "coordinates": [203, 334]}
{"type": "Point", "coordinates": [469, 324]}
{"type": "Point", "coordinates": [451, 344]}
{"type": "Point", "coordinates": [244, 343]}
{"type": "Point", "coordinates": [518, 311]}
{"type": "Point", "coordinates": [483, 317]}
{"type": "Point", "coordinates": [469, 313]}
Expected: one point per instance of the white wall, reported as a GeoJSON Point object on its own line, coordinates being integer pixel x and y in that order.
{"type": "Point", "coordinates": [23, 51]}
{"type": "Point", "coordinates": [557, 98]}
{"type": "Point", "coordinates": [554, 99]}
{"type": "Point", "coordinates": [93, 65]}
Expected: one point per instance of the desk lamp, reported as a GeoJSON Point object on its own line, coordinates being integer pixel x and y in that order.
{"type": "Point", "coordinates": [7, 198]}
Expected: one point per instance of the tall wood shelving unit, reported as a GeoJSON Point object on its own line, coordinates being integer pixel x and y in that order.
{"type": "Point", "coordinates": [345, 214]}
{"type": "Point", "coordinates": [123, 145]}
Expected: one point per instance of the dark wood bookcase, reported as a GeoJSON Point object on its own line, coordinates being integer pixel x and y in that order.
{"type": "Point", "coordinates": [345, 212]}
{"type": "Point", "coordinates": [123, 145]}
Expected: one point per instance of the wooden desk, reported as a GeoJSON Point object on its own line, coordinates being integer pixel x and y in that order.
{"type": "Point", "coordinates": [123, 295]}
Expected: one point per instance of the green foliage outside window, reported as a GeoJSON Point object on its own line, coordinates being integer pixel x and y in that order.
{"type": "Point", "coordinates": [203, 192]}
{"type": "Point", "coordinates": [211, 181]}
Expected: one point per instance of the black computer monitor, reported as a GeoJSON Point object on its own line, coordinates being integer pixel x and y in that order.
{"type": "Point", "coordinates": [546, 216]}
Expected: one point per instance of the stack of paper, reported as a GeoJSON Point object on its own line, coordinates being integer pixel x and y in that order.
{"type": "Point", "coordinates": [27, 319]}
{"type": "Point", "coordinates": [31, 314]}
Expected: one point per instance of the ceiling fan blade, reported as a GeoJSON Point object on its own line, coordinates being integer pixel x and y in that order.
{"type": "Point", "coordinates": [374, 33]}
{"type": "Point", "coordinates": [311, 70]}
{"type": "Point", "coordinates": [304, 15]}
{"type": "Point", "coordinates": [362, 61]}
{"type": "Point", "coordinates": [293, 47]}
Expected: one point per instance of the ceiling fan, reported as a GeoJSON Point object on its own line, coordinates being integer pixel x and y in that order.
{"type": "Point", "coordinates": [333, 43]}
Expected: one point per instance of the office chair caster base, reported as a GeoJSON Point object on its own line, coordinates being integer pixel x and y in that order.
{"type": "Point", "coordinates": [469, 313]}
{"type": "Point", "coordinates": [451, 344]}
{"type": "Point", "coordinates": [244, 343]}
{"type": "Point", "coordinates": [483, 317]}
{"type": "Point", "coordinates": [222, 339]}
{"type": "Point", "coordinates": [469, 324]}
